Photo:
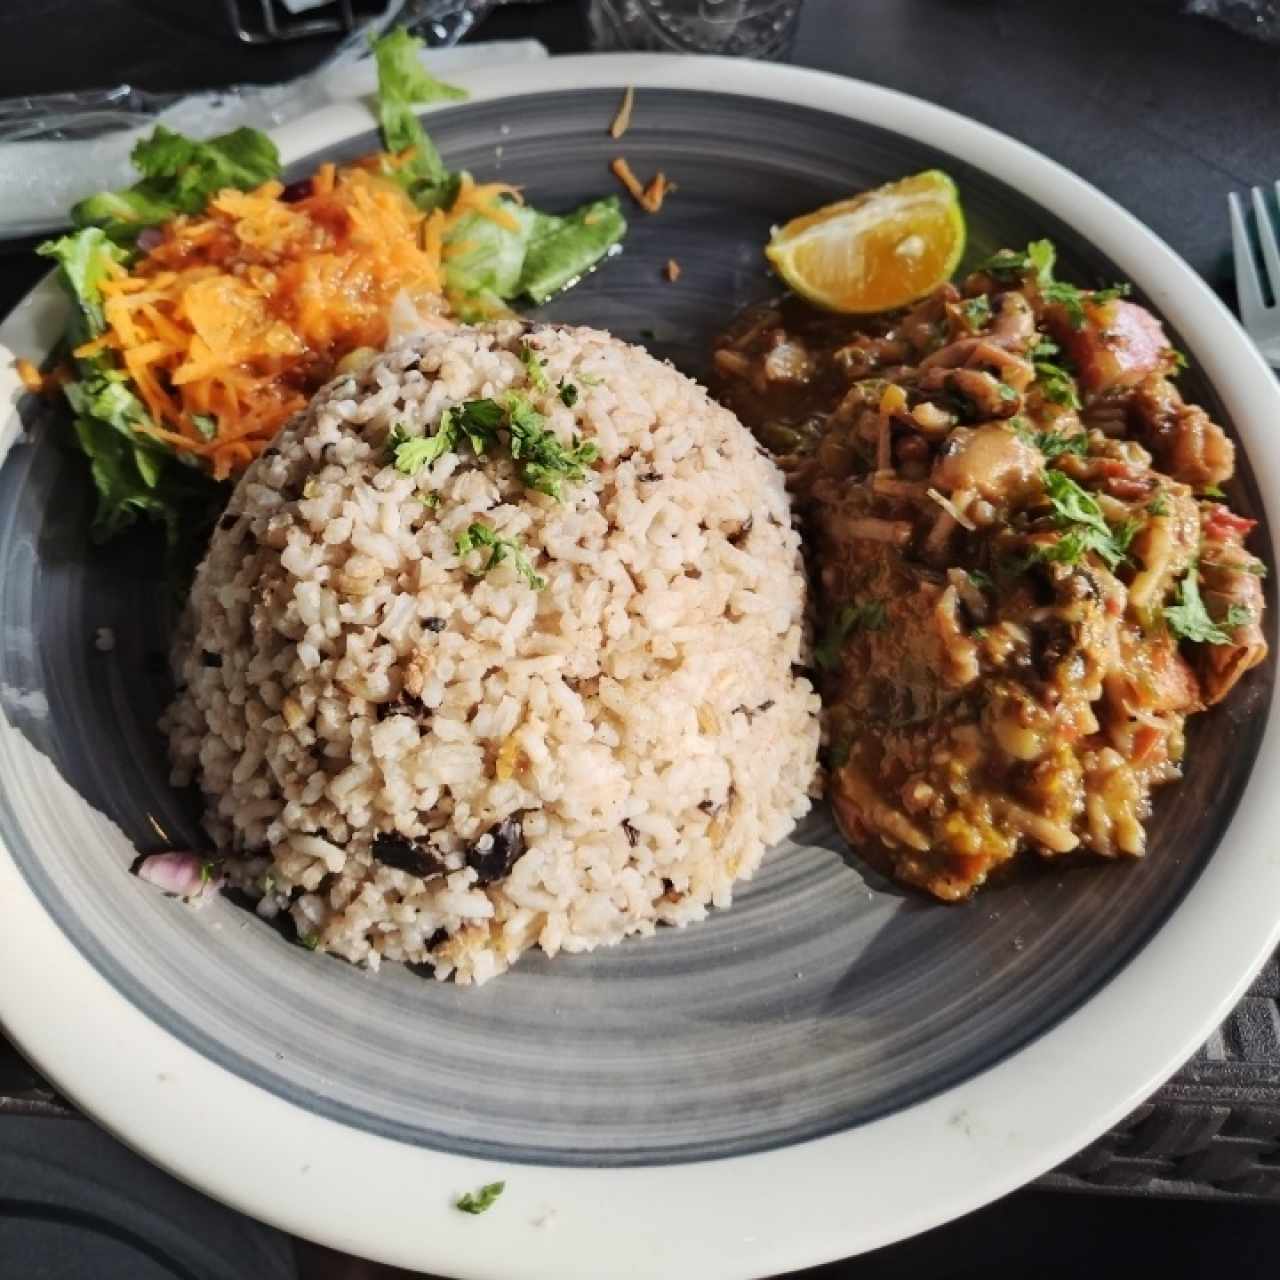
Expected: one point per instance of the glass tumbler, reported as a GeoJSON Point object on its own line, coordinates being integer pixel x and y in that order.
{"type": "Point", "coordinates": [741, 28]}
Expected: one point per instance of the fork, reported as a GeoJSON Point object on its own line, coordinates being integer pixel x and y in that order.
{"type": "Point", "coordinates": [1260, 319]}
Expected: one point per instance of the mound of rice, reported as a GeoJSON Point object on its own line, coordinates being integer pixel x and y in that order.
{"type": "Point", "coordinates": [425, 760]}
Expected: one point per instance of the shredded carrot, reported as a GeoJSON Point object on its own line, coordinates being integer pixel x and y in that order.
{"type": "Point", "coordinates": [30, 376]}
{"type": "Point", "coordinates": [622, 121]}
{"type": "Point", "coordinates": [673, 270]}
{"type": "Point", "coordinates": [650, 197]}
{"type": "Point", "coordinates": [240, 313]}
{"type": "Point", "coordinates": [657, 191]}
{"type": "Point", "coordinates": [622, 171]}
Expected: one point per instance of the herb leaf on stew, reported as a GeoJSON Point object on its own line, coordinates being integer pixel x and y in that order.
{"type": "Point", "coordinates": [1077, 512]}
{"type": "Point", "coordinates": [1008, 264]}
{"type": "Point", "coordinates": [1057, 384]}
{"type": "Point", "coordinates": [1188, 619]}
{"type": "Point", "coordinates": [977, 312]}
{"type": "Point", "coordinates": [869, 616]}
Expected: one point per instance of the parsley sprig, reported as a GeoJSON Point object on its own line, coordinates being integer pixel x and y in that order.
{"type": "Point", "coordinates": [411, 453]}
{"type": "Point", "coordinates": [1077, 514]}
{"type": "Point", "coordinates": [869, 616]}
{"type": "Point", "coordinates": [480, 1200]}
{"type": "Point", "coordinates": [1010, 265]}
{"type": "Point", "coordinates": [976, 312]}
{"type": "Point", "coordinates": [544, 462]}
{"type": "Point", "coordinates": [1072, 300]}
{"type": "Point", "coordinates": [1053, 444]}
{"type": "Point", "coordinates": [1038, 262]}
{"type": "Point", "coordinates": [1057, 384]}
{"type": "Point", "coordinates": [533, 366]}
{"type": "Point", "coordinates": [1188, 619]}
{"type": "Point", "coordinates": [477, 536]}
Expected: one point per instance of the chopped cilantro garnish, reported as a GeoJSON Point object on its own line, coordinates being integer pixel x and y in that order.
{"type": "Point", "coordinates": [1073, 300]}
{"type": "Point", "coordinates": [545, 463]}
{"type": "Point", "coordinates": [1006, 391]}
{"type": "Point", "coordinates": [1038, 260]}
{"type": "Point", "coordinates": [533, 367]}
{"type": "Point", "coordinates": [478, 1201]}
{"type": "Point", "coordinates": [1178, 359]}
{"type": "Point", "coordinates": [1051, 443]}
{"type": "Point", "coordinates": [411, 453]}
{"type": "Point", "coordinates": [1044, 348]}
{"type": "Point", "coordinates": [1068, 297]}
{"type": "Point", "coordinates": [980, 579]}
{"type": "Point", "coordinates": [430, 499]}
{"type": "Point", "coordinates": [1077, 512]}
{"type": "Point", "coordinates": [1212, 491]}
{"type": "Point", "coordinates": [1188, 619]}
{"type": "Point", "coordinates": [1057, 384]}
{"type": "Point", "coordinates": [478, 535]}
{"type": "Point", "coordinates": [208, 869]}
{"type": "Point", "coordinates": [205, 424]}
{"type": "Point", "coordinates": [479, 421]}
{"type": "Point", "coordinates": [309, 940]}
{"type": "Point", "coordinates": [568, 394]}
{"type": "Point", "coordinates": [852, 617]}
{"type": "Point", "coordinates": [976, 312]}
{"type": "Point", "coordinates": [1071, 503]}
{"type": "Point", "coordinates": [1159, 505]}
{"type": "Point", "coordinates": [1042, 255]}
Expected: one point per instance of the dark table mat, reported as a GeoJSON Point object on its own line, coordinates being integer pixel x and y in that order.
{"type": "Point", "coordinates": [1164, 112]}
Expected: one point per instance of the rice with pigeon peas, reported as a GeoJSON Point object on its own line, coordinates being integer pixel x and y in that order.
{"type": "Point", "coordinates": [446, 705]}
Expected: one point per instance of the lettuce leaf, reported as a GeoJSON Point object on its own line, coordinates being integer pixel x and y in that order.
{"type": "Point", "coordinates": [543, 255]}
{"type": "Point", "coordinates": [84, 259]}
{"type": "Point", "coordinates": [179, 175]}
{"type": "Point", "coordinates": [489, 257]}
{"type": "Point", "coordinates": [402, 76]}
{"type": "Point", "coordinates": [538, 258]}
{"type": "Point", "coordinates": [562, 249]}
{"type": "Point", "coordinates": [134, 474]}
{"type": "Point", "coordinates": [402, 82]}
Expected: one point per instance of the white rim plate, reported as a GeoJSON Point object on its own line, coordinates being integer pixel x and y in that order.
{"type": "Point", "coordinates": [743, 1217]}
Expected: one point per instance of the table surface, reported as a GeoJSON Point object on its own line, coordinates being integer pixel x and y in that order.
{"type": "Point", "coordinates": [1164, 112]}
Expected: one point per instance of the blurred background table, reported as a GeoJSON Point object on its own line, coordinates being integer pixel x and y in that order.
{"type": "Point", "coordinates": [1163, 111]}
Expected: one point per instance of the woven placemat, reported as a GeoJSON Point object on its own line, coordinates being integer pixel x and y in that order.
{"type": "Point", "coordinates": [1212, 1132]}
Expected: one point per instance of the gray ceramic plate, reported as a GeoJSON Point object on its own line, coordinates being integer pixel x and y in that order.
{"type": "Point", "coordinates": [824, 1003]}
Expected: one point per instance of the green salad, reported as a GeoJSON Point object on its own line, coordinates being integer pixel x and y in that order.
{"type": "Point", "coordinates": [163, 434]}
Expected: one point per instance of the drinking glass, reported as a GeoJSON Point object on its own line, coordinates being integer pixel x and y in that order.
{"type": "Point", "coordinates": [743, 28]}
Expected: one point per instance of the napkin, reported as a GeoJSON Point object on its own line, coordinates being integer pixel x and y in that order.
{"type": "Point", "coordinates": [42, 177]}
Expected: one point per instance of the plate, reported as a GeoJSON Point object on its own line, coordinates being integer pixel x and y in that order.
{"type": "Point", "coordinates": [829, 1066]}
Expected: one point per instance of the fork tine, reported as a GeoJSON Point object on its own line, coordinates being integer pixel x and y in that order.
{"type": "Point", "coordinates": [1248, 285]}
{"type": "Point", "coordinates": [1267, 236]}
